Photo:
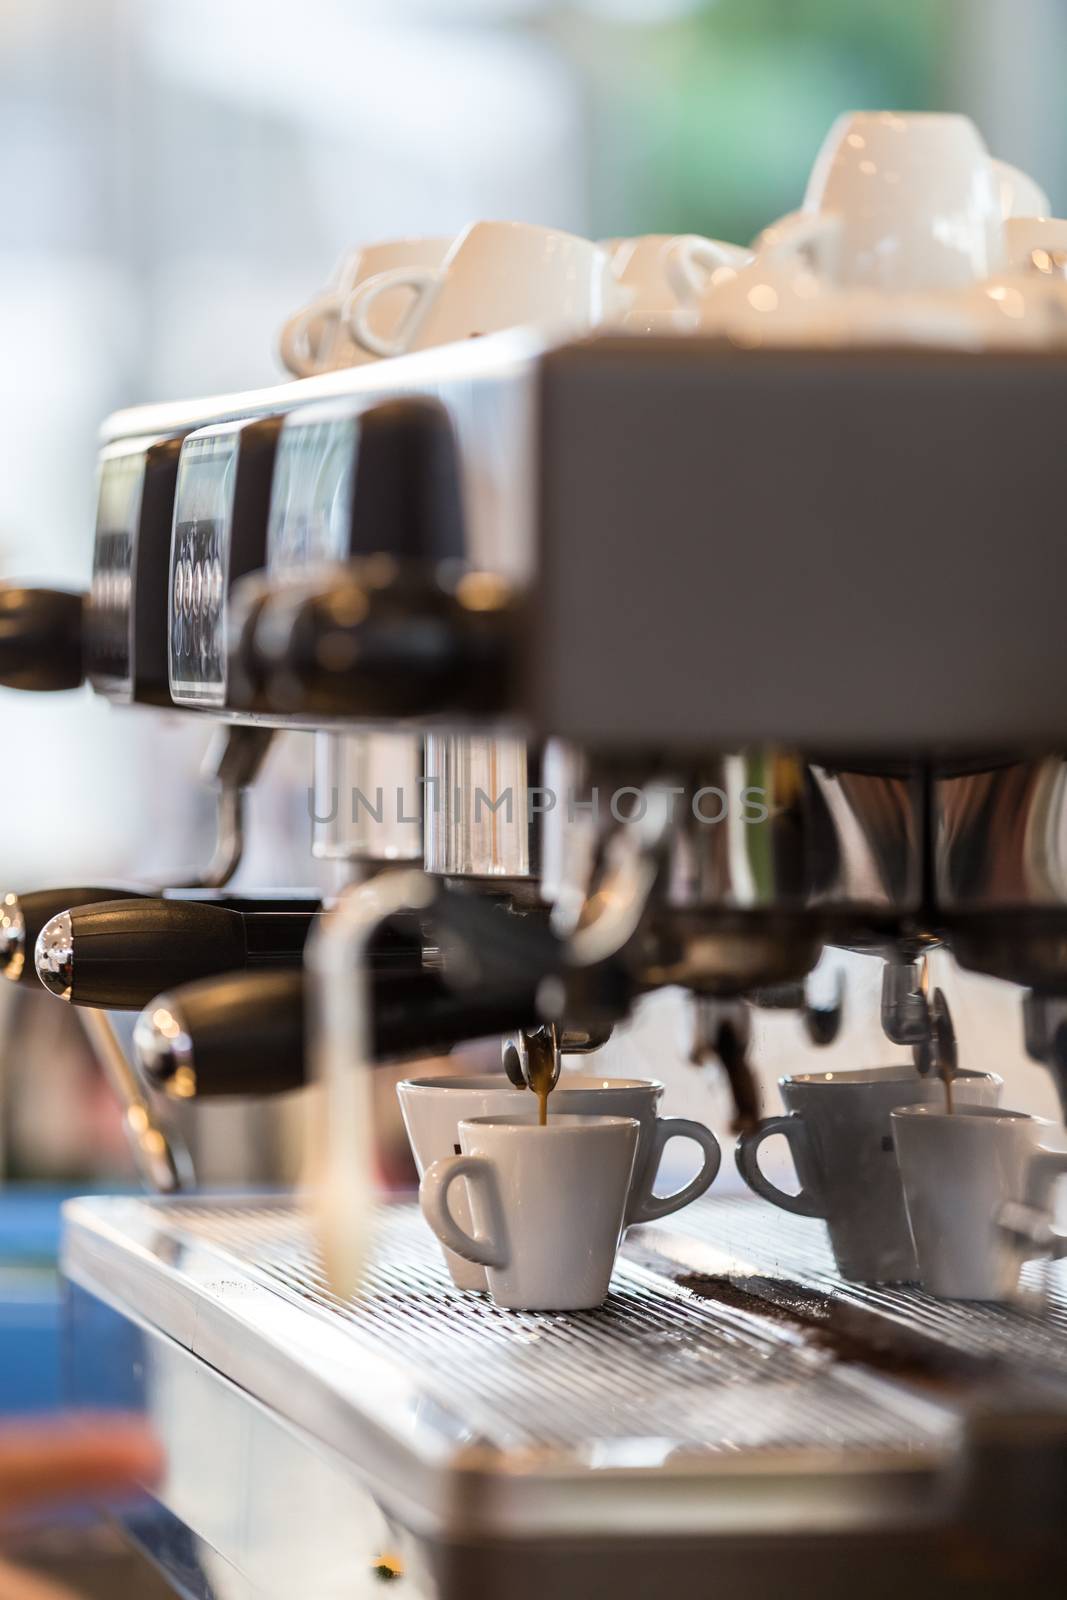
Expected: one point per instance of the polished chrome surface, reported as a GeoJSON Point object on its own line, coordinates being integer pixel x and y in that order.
{"type": "Point", "coordinates": [163, 1048]}
{"type": "Point", "coordinates": [367, 800]}
{"type": "Point", "coordinates": [159, 1153]}
{"type": "Point", "coordinates": [477, 811]}
{"type": "Point", "coordinates": [232, 763]}
{"type": "Point", "coordinates": [12, 938]}
{"type": "Point", "coordinates": [568, 836]}
{"type": "Point", "coordinates": [773, 831]}
{"type": "Point", "coordinates": [533, 1056]}
{"type": "Point", "coordinates": [745, 838]}
{"type": "Point", "coordinates": [54, 955]}
{"type": "Point", "coordinates": [879, 827]}
{"type": "Point", "coordinates": [760, 829]}
{"type": "Point", "coordinates": [229, 849]}
{"type": "Point", "coordinates": [1000, 874]}
{"type": "Point", "coordinates": [1000, 837]}
{"type": "Point", "coordinates": [905, 1009]}
{"type": "Point", "coordinates": [762, 858]}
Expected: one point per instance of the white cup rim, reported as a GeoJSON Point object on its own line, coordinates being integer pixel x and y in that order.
{"type": "Point", "coordinates": [969, 1113]}
{"type": "Point", "coordinates": [581, 1083]}
{"type": "Point", "coordinates": [561, 1124]}
{"type": "Point", "coordinates": [897, 1072]}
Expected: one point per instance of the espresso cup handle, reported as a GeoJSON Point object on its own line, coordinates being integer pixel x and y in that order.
{"type": "Point", "coordinates": [747, 1157]}
{"type": "Point", "coordinates": [649, 1207]}
{"type": "Point", "coordinates": [801, 233]}
{"type": "Point", "coordinates": [424, 283]}
{"type": "Point", "coordinates": [1046, 1168]}
{"type": "Point", "coordinates": [691, 260]}
{"type": "Point", "coordinates": [293, 347]}
{"type": "Point", "coordinates": [437, 1180]}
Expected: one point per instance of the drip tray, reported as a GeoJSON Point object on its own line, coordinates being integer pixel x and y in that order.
{"type": "Point", "coordinates": [750, 1254]}
{"type": "Point", "coordinates": [731, 1386]}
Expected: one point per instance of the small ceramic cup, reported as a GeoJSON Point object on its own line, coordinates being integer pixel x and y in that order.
{"type": "Point", "coordinates": [316, 340]}
{"type": "Point", "coordinates": [664, 275]}
{"type": "Point", "coordinates": [897, 201]}
{"type": "Point", "coordinates": [496, 275]}
{"type": "Point", "coordinates": [433, 1108]}
{"type": "Point", "coordinates": [978, 1188]}
{"type": "Point", "coordinates": [547, 1203]}
{"type": "Point", "coordinates": [1020, 195]}
{"type": "Point", "coordinates": [839, 1134]}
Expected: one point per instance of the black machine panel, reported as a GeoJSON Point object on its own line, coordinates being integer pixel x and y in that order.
{"type": "Point", "coordinates": [219, 535]}
{"type": "Point", "coordinates": [124, 626]}
{"type": "Point", "coordinates": [349, 483]}
{"type": "Point", "coordinates": [312, 494]}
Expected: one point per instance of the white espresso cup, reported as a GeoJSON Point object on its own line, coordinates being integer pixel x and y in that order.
{"type": "Point", "coordinates": [897, 201]}
{"type": "Point", "coordinates": [496, 275]}
{"type": "Point", "coordinates": [837, 1126]}
{"type": "Point", "coordinates": [663, 275]}
{"type": "Point", "coordinates": [433, 1108]}
{"type": "Point", "coordinates": [316, 339]}
{"type": "Point", "coordinates": [548, 1205]}
{"type": "Point", "coordinates": [978, 1187]}
{"type": "Point", "coordinates": [1020, 195]}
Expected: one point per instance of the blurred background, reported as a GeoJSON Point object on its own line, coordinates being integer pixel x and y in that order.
{"type": "Point", "coordinates": [176, 178]}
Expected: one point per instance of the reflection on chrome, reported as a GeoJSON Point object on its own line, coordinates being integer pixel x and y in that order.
{"type": "Point", "coordinates": [12, 938]}
{"type": "Point", "coordinates": [164, 1050]}
{"type": "Point", "coordinates": [1000, 836]}
{"type": "Point", "coordinates": [54, 955]}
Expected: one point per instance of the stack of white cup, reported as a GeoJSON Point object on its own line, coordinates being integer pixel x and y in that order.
{"type": "Point", "coordinates": [910, 232]}
{"type": "Point", "coordinates": [412, 294]}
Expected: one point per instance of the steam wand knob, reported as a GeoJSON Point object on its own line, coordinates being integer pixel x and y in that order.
{"type": "Point", "coordinates": [41, 639]}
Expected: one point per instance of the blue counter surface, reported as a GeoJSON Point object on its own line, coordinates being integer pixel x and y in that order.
{"type": "Point", "coordinates": [29, 1299]}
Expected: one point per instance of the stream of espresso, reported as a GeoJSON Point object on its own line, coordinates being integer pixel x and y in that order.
{"type": "Point", "coordinates": [541, 1084]}
{"type": "Point", "coordinates": [541, 1065]}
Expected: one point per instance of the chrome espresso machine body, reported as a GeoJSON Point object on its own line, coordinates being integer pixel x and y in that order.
{"type": "Point", "coordinates": [699, 660]}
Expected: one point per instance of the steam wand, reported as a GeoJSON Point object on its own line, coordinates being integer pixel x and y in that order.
{"type": "Point", "coordinates": [162, 1159]}
{"type": "Point", "coordinates": [233, 763]}
{"type": "Point", "coordinates": [341, 1154]}
{"type": "Point", "coordinates": [161, 1156]}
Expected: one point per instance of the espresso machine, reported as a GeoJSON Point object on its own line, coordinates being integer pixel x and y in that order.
{"type": "Point", "coordinates": [632, 663]}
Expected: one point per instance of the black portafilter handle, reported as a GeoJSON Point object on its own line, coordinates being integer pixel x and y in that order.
{"type": "Point", "coordinates": [22, 916]}
{"type": "Point", "coordinates": [117, 954]}
{"type": "Point", "coordinates": [40, 639]}
{"type": "Point", "coordinates": [244, 1033]}
{"type": "Point", "coordinates": [376, 638]}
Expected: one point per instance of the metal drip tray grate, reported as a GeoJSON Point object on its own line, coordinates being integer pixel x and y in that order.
{"type": "Point", "coordinates": [741, 1239]}
{"type": "Point", "coordinates": [656, 1362]}
{"type": "Point", "coordinates": [689, 1402]}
